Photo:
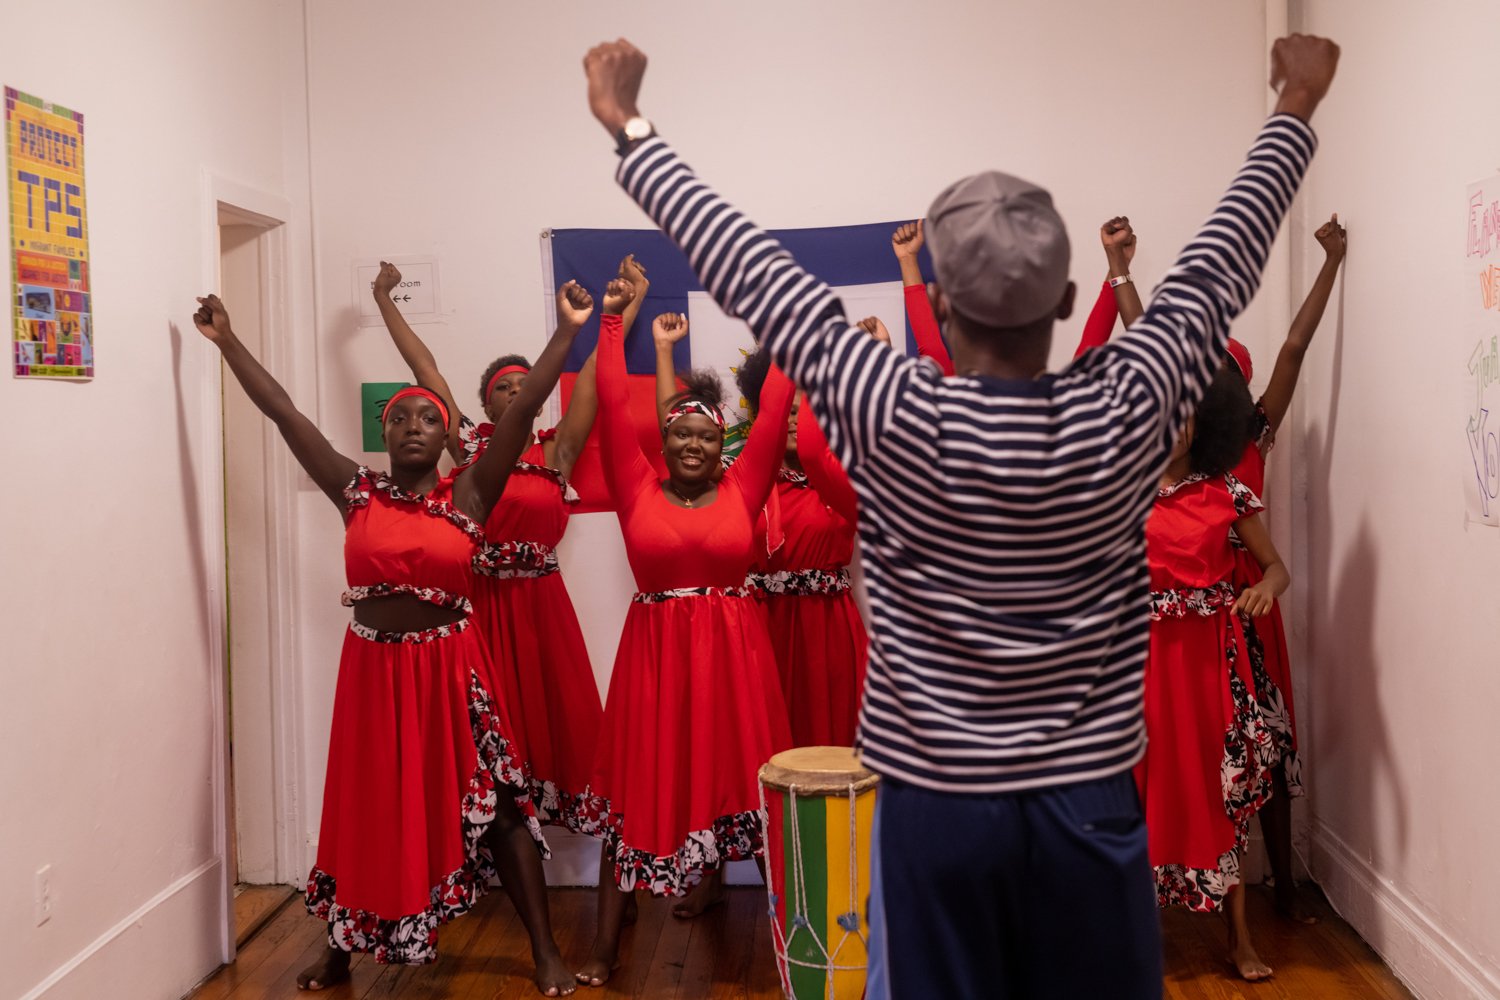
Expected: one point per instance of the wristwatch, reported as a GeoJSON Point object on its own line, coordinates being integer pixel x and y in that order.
{"type": "Point", "coordinates": [1123, 279]}
{"type": "Point", "coordinates": [632, 132]}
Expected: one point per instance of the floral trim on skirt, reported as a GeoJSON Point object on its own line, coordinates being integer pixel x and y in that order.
{"type": "Point", "coordinates": [1250, 751]}
{"type": "Point", "coordinates": [1273, 707]}
{"type": "Point", "coordinates": [737, 837]}
{"type": "Point", "coordinates": [412, 939]}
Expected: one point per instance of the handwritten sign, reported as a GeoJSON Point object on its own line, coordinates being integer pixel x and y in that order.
{"type": "Point", "coordinates": [1481, 345]}
{"type": "Point", "coordinates": [52, 320]}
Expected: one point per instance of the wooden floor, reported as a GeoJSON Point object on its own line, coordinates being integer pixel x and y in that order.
{"type": "Point", "coordinates": [727, 954]}
{"type": "Point", "coordinates": [254, 905]}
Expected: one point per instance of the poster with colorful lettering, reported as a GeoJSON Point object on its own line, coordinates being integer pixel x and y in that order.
{"type": "Point", "coordinates": [52, 323]}
{"type": "Point", "coordinates": [1480, 296]}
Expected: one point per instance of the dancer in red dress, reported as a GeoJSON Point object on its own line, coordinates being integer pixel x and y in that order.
{"type": "Point", "coordinates": [695, 704]}
{"type": "Point", "coordinates": [541, 670]}
{"type": "Point", "coordinates": [424, 797]}
{"type": "Point", "coordinates": [802, 550]}
{"type": "Point", "coordinates": [1208, 755]}
{"type": "Point", "coordinates": [1265, 639]}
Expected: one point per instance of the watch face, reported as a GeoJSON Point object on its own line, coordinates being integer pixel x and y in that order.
{"type": "Point", "coordinates": [637, 128]}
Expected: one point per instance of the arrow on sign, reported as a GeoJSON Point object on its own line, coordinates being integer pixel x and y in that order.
{"type": "Point", "coordinates": [400, 298]}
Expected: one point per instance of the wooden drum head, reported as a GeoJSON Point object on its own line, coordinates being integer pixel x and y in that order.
{"type": "Point", "coordinates": [818, 771]}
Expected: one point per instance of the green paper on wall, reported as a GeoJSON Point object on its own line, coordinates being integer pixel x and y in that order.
{"type": "Point", "coordinates": [372, 399]}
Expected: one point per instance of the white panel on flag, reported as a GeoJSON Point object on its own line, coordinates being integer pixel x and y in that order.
{"type": "Point", "coordinates": [719, 343]}
{"type": "Point", "coordinates": [884, 299]}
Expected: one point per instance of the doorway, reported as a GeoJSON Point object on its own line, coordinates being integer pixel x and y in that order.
{"type": "Point", "coordinates": [261, 811]}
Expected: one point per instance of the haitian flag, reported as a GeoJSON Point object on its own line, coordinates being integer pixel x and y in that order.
{"type": "Point", "coordinates": [856, 261]}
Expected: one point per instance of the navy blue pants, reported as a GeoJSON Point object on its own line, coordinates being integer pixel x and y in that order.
{"type": "Point", "coordinates": [1046, 893]}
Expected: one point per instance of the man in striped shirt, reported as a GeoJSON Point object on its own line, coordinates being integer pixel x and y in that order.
{"type": "Point", "coordinates": [1002, 523]}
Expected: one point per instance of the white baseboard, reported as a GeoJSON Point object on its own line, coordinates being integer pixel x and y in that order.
{"type": "Point", "coordinates": [161, 950]}
{"type": "Point", "coordinates": [1429, 961]}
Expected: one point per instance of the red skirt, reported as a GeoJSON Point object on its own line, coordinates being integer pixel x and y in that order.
{"type": "Point", "coordinates": [821, 649]}
{"type": "Point", "coordinates": [694, 710]}
{"type": "Point", "coordinates": [543, 677]}
{"type": "Point", "coordinates": [417, 753]}
{"type": "Point", "coordinates": [1205, 771]}
{"type": "Point", "coordinates": [1265, 640]}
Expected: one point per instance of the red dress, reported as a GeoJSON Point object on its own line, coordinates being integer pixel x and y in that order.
{"type": "Point", "coordinates": [694, 704]}
{"type": "Point", "coordinates": [418, 746]}
{"type": "Point", "coordinates": [819, 638]}
{"type": "Point", "coordinates": [1265, 638]}
{"type": "Point", "coordinates": [1205, 771]}
{"type": "Point", "coordinates": [542, 672]}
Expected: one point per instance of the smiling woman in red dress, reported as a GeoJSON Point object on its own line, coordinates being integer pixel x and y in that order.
{"type": "Point", "coordinates": [413, 807]}
{"type": "Point", "coordinates": [694, 704]}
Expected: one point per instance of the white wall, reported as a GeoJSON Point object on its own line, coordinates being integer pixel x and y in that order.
{"type": "Point", "coordinates": [1399, 607]}
{"type": "Point", "coordinates": [107, 730]}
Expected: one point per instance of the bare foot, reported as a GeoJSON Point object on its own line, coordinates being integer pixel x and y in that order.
{"type": "Point", "coordinates": [1243, 957]}
{"type": "Point", "coordinates": [331, 968]}
{"type": "Point", "coordinates": [601, 962]}
{"type": "Point", "coordinates": [704, 894]}
{"type": "Point", "coordinates": [552, 976]}
{"type": "Point", "coordinates": [1289, 905]}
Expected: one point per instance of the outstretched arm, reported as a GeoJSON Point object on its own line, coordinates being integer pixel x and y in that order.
{"type": "Point", "coordinates": [823, 470]}
{"type": "Point", "coordinates": [564, 447]}
{"type": "Point", "coordinates": [666, 330]}
{"type": "Point", "coordinates": [906, 241]}
{"type": "Point", "coordinates": [1119, 249]}
{"type": "Point", "coordinates": [851, 380]}
{"type": "Point", "coordinates": [626, 470]}
{"type": "Point", "coordinates": [1173, 350]}
{"type": "Point", "coordinates": [330, 470]}
{"type": "Point", "coordinates": [1278, 395]}
{"type": "Point", "coordinates": [760, 460]}
{"type": "Point", "coordinates": [478, 490]}
{"type": "Point", "coordinates": [1257, 600]}
{"type": "Point", "coordinates": [415, 353]}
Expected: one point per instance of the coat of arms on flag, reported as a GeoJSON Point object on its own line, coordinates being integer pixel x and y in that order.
{"type": "Point", "coordinates": [856, 261]}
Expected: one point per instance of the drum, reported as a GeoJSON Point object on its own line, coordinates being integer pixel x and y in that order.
{"type": "Point", "coordinates": [820, 804]}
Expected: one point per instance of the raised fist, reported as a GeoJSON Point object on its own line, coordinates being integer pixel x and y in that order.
{"type": "Point", "coordinates": [212, 320]}
{"type": "Point", "coordinates": [1118, 238]}
{"type": "Point", "coordinates": [617, 296]}
{"type": "Point", "coordinates": [875, 328]}
{"type": "Point", "coordinates": [907, 240]}
{"type": "Point", "coordinates": [387, 280]}
{"type": "Point", "coordinates": [574, 305]}
{"type": "Point", "coordinates": [634, 271]}
{"type": "Point", "coordinates": [1302, 68]}
{"type": "Point", "coordinates": [614, 70]}
{"type": "Point", "coordinates": [669, 328]}
{"type": "Point", "coordinates": [1331, 238]}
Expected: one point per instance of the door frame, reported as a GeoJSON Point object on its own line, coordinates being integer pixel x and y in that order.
{"type": "Point", "coordinates": [228, 202]}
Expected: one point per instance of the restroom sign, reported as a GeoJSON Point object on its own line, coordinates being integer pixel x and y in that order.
{"type": "Point", "coordinates": [417, 296]}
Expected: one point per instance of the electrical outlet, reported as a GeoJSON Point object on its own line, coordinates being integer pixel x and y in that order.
{"type": "Point", "coordinates": [43, 894]}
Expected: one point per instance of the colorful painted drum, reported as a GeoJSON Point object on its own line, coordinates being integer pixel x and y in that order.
{"type": "Point", "coordinates": [820, 804]}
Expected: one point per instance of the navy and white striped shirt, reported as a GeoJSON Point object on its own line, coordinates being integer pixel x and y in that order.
{"type": "Point", "coordinates": [1002, 521]}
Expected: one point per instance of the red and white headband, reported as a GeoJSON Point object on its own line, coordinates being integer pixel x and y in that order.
{"type": "Point", "coordinates": [688, 406]}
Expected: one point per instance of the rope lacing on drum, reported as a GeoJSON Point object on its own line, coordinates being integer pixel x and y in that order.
{"type": "Point", "coordinates": [799, 899]}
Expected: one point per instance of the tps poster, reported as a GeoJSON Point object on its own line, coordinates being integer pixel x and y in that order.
{"type": "Point", "coordinates": [52, 322]}
{"type": "Point", "coordinates": [1481, 353]}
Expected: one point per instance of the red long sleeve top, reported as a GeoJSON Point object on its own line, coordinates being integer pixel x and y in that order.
{"type": "Point", "coordinates": [671, 547]}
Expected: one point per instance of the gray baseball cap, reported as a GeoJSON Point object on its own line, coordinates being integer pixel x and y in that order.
{"type": "Point", "coordinates": [999, 249]}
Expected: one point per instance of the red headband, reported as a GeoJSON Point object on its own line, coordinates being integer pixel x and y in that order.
{"type": "Point", "coordinates": [490, 388]}
{"type": "Point", "coordinates": [1240, 355]}
{"type": "Point", "coordinates": [417, 390]}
